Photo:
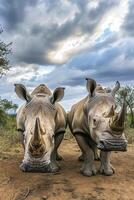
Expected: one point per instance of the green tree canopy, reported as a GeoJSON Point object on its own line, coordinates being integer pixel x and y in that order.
{"type": "Point", "coordinates": [5, 107]}
{"type": "Point", "coordinates": [4, 51]}
{"type": "Point", "coordinates": [129, 99]}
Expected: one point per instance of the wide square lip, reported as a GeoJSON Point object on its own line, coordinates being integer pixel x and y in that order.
{"type": "Point", "coordinates": [118, 145]}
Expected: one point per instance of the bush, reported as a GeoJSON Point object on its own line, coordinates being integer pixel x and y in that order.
{"type": "Point", "coordinates": [8, 134]}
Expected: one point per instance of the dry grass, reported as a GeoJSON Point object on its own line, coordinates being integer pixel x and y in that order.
{"type": "Point", "coordinates": [8, 135]}
{"type": "Point", "coordinates": [9, 138]}
{"type": "Point", "coordinates": [129, 132]}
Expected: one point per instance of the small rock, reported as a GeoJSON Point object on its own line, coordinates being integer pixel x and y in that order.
{"type": "Point", "coordinates": [5, 157]}
{"type": "Point", "coordinates": [44, 198]}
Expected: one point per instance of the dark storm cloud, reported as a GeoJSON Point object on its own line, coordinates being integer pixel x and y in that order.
{"type": "Point", "coordinates": [95, 59]}
{"type": "Point", "coordinates": [76, 81]}
{"type": "Point", "coordinates": [13, 12]}
{"type": "Point", "coordinates": [109, 64]}
{"type": "Point", "coordinates": [128, 25]}
{"type": "Point", "coordinates": [41, 38]}
{"type": "Point", "coordinates": [114, 75]}
{"type": "Point", "coordinates": [103, 76]}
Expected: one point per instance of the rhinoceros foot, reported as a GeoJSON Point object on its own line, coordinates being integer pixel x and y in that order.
{"type": "Point", "coordinates": [54, 167]}
{"type": "Point", "coordinates": [86, 170]}
{"type": "Point", "coordinates": [81, 157]}
{"type": "Point", "coordinates": [107, 170]}
{"type": "Point", "coordinates": [59, 157]}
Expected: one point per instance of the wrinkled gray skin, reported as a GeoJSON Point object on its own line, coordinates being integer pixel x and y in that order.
{"type": "Point", "coordinates": [95, 124]}
{"type": "Point", "coordinates": [41, 122]}
{"type": "Point", "coordinates": [98, 89]}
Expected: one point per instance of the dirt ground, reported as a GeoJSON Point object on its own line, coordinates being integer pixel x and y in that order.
{"type": "Point", "coordinates": [68, 183]}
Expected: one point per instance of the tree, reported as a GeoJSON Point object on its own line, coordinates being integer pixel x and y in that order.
{"type": "Point", "coordinates": [4, 51]}
{"type": "Point", "coordinates": [8, 105]}
{"type": "Point", "coordinates": [129, 99]}
{"type": "Point", "coordinates": [5, 108]}
{"type": "Point", "coordinates": [5, 105]}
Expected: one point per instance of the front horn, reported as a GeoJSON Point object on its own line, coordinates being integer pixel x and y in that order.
{"type": "Point", "coordinates": [36, 139]}
{"type": "Point", "coordinates": [117, 122]}
{"type": "Point", "coordinates": [115, 89]}
{"type": "Point", "coordinates": [121, 116]}
{"type": "Point", "coordinates": [36, 146]}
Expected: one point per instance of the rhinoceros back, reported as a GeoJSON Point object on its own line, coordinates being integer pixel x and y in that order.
{"type": "Point", "coordinates": [77, 119]}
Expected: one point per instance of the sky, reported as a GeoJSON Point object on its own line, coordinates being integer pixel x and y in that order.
{"type": "Point", "coordinates": [62, 42]}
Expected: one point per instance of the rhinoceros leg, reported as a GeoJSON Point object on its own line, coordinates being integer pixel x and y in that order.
{"type": "Point", "coordinates": [96, 156]}
{"type": "Point", "coordinates": [58, 139]}
{"type": "Point", "coordinates": [58, 157]}
{"type": "Point", "coordinates": [106, 167]}
{"type": "Point", "coordinates": [81, 157]}
{"type": "Point", "coordinates": [88, 168]}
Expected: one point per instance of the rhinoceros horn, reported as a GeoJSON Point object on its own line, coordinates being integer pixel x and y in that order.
{"type": "Point", "coordinates": [115, 89]}
{"type": "Point", "coordinates": [36, 139]}
{"type": "Point", "coordinates": [121, 116]}
{"type": "Point", "coordinates": [36, 146]}
{"type": "Point", "coordinates": [117, 122]}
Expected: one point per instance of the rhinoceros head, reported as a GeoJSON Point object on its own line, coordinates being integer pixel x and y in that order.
{"type": "Point", "coordinates": [105, 124]}
{"type": "Point", "coordinates": [36, 121]}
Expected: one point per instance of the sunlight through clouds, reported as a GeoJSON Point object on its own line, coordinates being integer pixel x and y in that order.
{"type": "Point", "coordinates": [59, 43]}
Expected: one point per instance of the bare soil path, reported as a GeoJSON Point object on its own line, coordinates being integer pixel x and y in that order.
{"type": "Point", "coordinates": [68, 184]}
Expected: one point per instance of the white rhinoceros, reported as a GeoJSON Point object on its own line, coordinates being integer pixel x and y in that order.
{"type": "Point", "coordinates": [95, 124]}
{"type": "Point", "coordinates": [42, 123]}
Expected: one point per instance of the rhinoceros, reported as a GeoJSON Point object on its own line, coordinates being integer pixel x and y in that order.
{"type": "Point", "coordinates": [95, 124]}
{"type": "Point", "coordinates": [41, 122]}
{"type": "Point", "coordinates": [98, 89]}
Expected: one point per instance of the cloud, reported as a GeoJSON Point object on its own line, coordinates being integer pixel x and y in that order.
{"type": "Point", "coordinates": [43, 33]}
{"type": "Point", "coordinates": [127, 26]}
{"type": "Point", "coordinates": [59, 43]}
{"type": "Point", "coordinates": [13, 12]}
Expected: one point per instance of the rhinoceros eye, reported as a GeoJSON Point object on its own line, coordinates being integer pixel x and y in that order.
{"type": "Point", "coordinates": [95, 122]}
{"type": "Point", "coordinates": [20, 130]}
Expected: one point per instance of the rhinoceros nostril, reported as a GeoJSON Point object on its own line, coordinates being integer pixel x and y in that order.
{"type": "Point", "coordinates": [36, 146]}
{"type": "Point", "coordinates": [37, 150]}
{"type": "Point", "coordinates": [102, 142]}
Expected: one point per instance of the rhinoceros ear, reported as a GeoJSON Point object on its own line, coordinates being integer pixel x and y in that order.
{"type": "Point", "coordinates": [91, 85]}
{"type": "Point", "coordinates": [22, 92]}
{"type": "Point", "coordinates": [57, 95]}
{"type": "Point", "coordinates": [116, 88]}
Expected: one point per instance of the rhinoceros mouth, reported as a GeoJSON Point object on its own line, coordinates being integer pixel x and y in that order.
{"type": "Point", "coordinates": [36, 167]}
{"type": "Point", "coordinates": [113, 145]}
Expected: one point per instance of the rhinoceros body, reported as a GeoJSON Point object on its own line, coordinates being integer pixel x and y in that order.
{"type": "Point", "coordinates": [42, 123]}
{"type": "Point", "coordinates": [95, 124]}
